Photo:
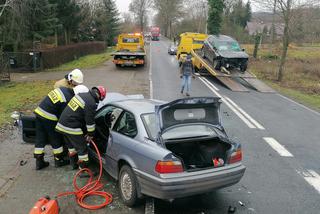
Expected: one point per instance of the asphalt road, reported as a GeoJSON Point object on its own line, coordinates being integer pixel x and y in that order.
{"type": "Point", "coordinates": [280, 140]}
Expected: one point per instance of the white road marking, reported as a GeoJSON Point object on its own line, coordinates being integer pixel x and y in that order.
{"type": "Point", "coordinates": [305, 107]}
{"type": "Point", "coordinates": [210, 83]}
{"type": "Point", "coordinates": [278, 147]}
{"type": "Point", "coordinates": [312, 178]}
{"type": "Point", "coordinates": [150, 73]}
{"type": "Point", "coordinates": [258, 125]}
{"type": "Point", "coordinates": [247, 122]}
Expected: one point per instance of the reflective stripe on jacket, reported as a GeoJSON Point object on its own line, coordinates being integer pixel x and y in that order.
{"type": "Point", "coordinates": [53, 104]}
{"type": "Point", "coordinates": [78, 116]}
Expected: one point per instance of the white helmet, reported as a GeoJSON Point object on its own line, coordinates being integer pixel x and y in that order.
{"type": "Point", "coordinates": [80, 89]}
{"type": "Point", "coordinates": [76, 76]}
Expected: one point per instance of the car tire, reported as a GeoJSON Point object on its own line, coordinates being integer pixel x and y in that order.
{"type": "Point", "coordinates": [243, 68]}
{"type": "Point", "coordinates": [203, 54]}
{"type": "Point", "coordinates": [128, 186]}
{"type": "Point", "coordinates": [216, 64]}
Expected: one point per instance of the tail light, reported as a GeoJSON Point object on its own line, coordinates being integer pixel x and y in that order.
{"type": "Point", "coordinates": [236, 156]}
{"type": "Point", "coordinates": [168, 167]}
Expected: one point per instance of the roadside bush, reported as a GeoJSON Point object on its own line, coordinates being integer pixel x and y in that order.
{"type": "Point", "coordinates": [56, 56]}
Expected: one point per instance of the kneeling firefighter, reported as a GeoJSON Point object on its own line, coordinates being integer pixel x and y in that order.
{"type": "Point", "coordinates": [77, 124]}
{"type": "Point", "coordinates": [71, 80]}
{"type": "Point", "coordinates": [47, 115]}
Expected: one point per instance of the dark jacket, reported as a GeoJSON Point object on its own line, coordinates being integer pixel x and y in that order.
{"type": "Point", "coordinates": [54, 103]}
{"type": "Point", "coordinates": [78, 117]}
{"type": "Point", "coordinates": [187, 68]}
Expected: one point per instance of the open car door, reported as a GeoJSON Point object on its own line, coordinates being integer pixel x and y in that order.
{"type": "Point", "coordinates": [28, 128]}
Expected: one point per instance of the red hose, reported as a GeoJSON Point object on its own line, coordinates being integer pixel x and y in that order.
{"type": "Point", "coordinates": [91, 188]}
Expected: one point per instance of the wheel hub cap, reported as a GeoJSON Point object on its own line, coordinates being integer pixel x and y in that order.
{"type": "Point", "coordinates": [126, 186]}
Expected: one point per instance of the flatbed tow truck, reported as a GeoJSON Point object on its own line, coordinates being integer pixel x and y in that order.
{"type": "Point", "coordinates": [129, 50]}
{"type": "Point", "coordinates": [232, 79]}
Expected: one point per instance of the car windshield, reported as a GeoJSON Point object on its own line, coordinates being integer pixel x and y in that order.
{"type": "Point", "coordinates": [227, 45]}
{"type": "Point", "coordinates": [130, 40]}
{"type": "Point", "coordinates": [184, 131]}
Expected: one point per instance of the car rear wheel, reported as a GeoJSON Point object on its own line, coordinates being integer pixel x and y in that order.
{"type": "Point", "coordinates": [203, 53]}
{"type": "Point", "coordinates": [243, 68]}
{"type": "Point", "coordinates": [128, 186]}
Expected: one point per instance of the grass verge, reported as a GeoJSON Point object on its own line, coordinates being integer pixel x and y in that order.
{"type": "Point", "coordinates": [21, 97]}
{"type": "Point", "coordinates": [310, 100]}
{"type": "Point", "coordinates": [88, 61]}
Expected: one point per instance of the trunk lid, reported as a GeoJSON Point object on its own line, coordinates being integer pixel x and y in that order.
{"type": "Point", "coordinates": [188, 111]}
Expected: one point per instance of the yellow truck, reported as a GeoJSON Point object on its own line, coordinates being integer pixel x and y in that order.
{"type": "Point", "coordinates": [187, 42]}
{"type": "Point", "coordinates": [192, 43]}
{"type": "Point", "coordinates": [129, 50]}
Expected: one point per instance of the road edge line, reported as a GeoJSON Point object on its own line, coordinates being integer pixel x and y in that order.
{"type": "Point", "coordinates": [242, 117]}
{"type": "Point", "coordinates": [253, 121]}
{"type": "Point", "coordinates": [150, 73]}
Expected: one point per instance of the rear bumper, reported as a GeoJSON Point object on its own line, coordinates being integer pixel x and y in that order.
{"type": "Point", "coordinates": [128, 62]}
{"type": "Point", "coordinates": [171, 186]}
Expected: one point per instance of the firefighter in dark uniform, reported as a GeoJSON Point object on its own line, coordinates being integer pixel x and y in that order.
{"type": "Point", "coordinates": [47, 115]}
{"type": "Point", "coordinates": [77, 124]}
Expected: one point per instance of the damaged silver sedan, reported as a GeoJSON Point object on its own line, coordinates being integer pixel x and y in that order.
{"type": "Point", "coordinates": [163, 150]}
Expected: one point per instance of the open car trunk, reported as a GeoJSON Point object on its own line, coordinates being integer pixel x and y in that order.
{"type": "Point", "coordinates": [197, 154]}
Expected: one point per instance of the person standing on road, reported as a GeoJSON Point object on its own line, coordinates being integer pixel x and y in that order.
{"type": "Point", "coordinates": [47, 114]}
{"type": "Point", "coordinates": [77, 124]}
{"type": "Point", "coordinates": [186, 72]}
{"type": "Point", "coordinates": [74, 78]}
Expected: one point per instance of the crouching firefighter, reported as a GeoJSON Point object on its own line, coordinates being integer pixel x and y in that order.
{"type": "Point", "coordinates": [47, 115]}
{"type": "Point", "coordinates": [77, 124]}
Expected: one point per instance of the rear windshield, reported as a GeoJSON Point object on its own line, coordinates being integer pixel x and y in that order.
{"type": "Point", "coordinates": [130, 40]}
{"type": "Point", "coordinates": [227, 46]}
{"type": "Point", "coordinates": [149, 121]}
{"type": "Point", "coordinates": [200, 42]}
{"type": "Point", "coordinates": [185, 131]}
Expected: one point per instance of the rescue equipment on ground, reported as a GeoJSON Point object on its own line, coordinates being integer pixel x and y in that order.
{"type": "Point", "coordinates": [45, 205]}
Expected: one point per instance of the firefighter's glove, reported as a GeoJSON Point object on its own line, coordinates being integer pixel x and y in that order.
{"type": "Point", "coordinates": [89, 138]}
{"type": "Point", "coordinates": [193, 77]}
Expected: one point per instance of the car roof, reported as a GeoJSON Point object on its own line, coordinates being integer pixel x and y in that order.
{"type": "Point", "coordinates": [223, 38]}
{"type": "Point", "coordinates": [138, 106]}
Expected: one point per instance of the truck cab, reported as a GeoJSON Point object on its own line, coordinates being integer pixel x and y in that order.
{"type": "Point", "coordinates": [189, 41]}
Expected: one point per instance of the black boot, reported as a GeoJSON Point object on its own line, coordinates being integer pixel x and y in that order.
{"type": "Point", "coordinates": [59, 160]}
{"type": "Point", "coordinates": [40, 163]}
{"type": "Point", "coordinates": [74, 161]}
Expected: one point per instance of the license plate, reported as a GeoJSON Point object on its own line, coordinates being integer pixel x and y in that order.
{"type": "Point", "coordinates": [128, 62]}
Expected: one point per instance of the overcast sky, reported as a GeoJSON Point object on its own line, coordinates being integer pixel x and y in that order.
{"type": "Point", "coordinates": [123, 5]}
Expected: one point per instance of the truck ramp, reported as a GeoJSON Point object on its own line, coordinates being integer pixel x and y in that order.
{"type": "Point", "coordinates": [232, 84]}
{"type": "Point", "coordinates": [228, 78]}
{"type": "Point", "coordinates": [259, 85]}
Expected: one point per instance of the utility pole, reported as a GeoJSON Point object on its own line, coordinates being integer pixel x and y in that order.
{"type": "Point", "coordinates": [273, 26]}
{"type": "Point", "coordinates": [206, 8]}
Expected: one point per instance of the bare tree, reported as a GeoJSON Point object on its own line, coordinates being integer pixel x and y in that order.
{"type": "Point", "coordinates": [168, 12]}
{"type": "Point", "coordinates": [140, 9]}
{"type": "Point", "coordinates": [285, 9]}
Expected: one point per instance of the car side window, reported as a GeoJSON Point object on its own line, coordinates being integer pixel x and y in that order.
{"type": "Point", "coordinates": [127, 125]}
{"type": "Point", "coordinates": [108, 113]}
